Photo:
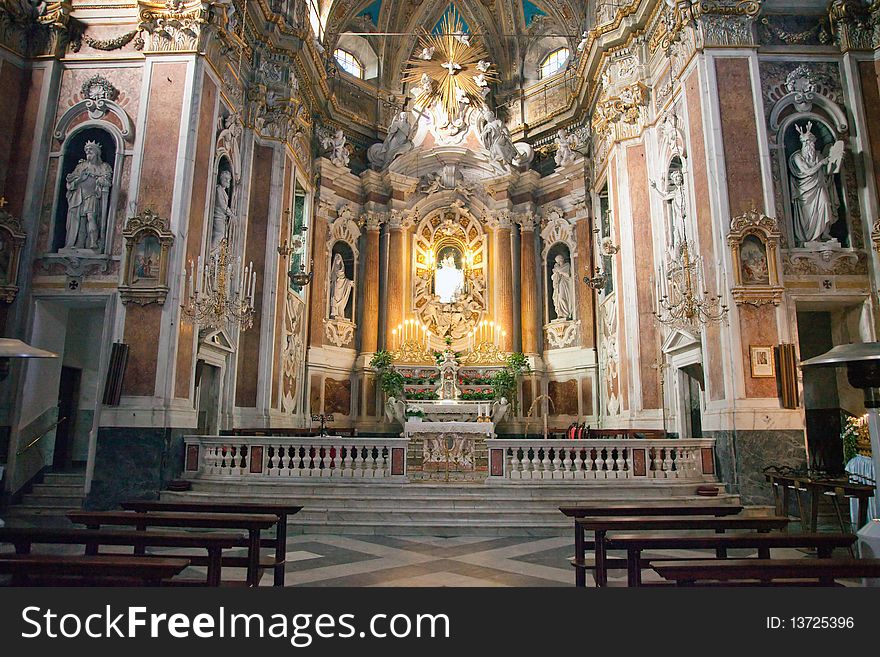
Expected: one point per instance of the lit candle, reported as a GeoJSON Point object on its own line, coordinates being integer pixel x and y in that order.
{"type": "Point", "coordinates": [394, 339]}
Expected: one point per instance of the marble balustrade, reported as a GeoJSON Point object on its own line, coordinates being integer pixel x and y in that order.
{"type": "Point", "coordinates": [590, 460]}
{"type": "Point", "coordinates": [225, 457]}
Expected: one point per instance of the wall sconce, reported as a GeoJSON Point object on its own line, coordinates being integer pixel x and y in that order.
{"type": "Point", "coordinates": [598, 281]}
{"type": "Point", "coordinates": [302, 278]}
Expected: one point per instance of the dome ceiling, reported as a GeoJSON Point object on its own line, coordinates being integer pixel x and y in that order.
{"type": "Point", "coordinates": [506, 27]}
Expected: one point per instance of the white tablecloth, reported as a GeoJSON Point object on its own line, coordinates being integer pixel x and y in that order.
{"type": "Point", "coordinates": [861, 471]}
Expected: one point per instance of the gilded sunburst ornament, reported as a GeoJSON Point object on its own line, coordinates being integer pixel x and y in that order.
{"type": "Point", "coordinates": [452, 68]}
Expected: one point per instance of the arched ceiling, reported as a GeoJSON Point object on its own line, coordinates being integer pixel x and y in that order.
{"type": "Point", "coordinates": [501, 24]}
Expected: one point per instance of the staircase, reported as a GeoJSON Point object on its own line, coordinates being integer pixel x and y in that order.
{"type": "Point", "coordinates": [437, 509]}
{"type": "Point", "coordinates": [59, 493]}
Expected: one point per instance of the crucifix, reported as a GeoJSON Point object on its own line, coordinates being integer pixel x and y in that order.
{"type": "Point", "coordinates": [3, 202]}
{"type": "Point", "coordinates": [323, 418]}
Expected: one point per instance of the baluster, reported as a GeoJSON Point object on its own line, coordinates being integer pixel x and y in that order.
{"type": "Point", "coordinates": [628, 463]}
{"type": "Point", "coordinates": [546, 464]}
{"type": "Point", "coordinates": [667, 462]}
{"type": "Point", "coordinates": [526, 464]}
{"type": "Point", "coordinates": [558, 472]}
{"type": "Point", "coordinates": [323, 457]}
{"type": "Point", "coordinates": [566, 463]}
{"type": "Point", "coordinates": [347, 461]}
{"type": "Point", "coordinates": [620, 463]}
{"type": "Point", "coordinates": [579, 465]}
{"type": "Point", "coordinates": [537, 468]}
{"type": "Point", "coordinates": [335, 457]}
{"type": "Point", "coordinates": [211, 459]}
{"type": "Point", "coordinates": [652, 462]}
{"type": "Point", "coordinates": [382, 465]}
{"type": "Point", "coordinates": [291, 451]}
{"type": "Point", "coordinates": [373, 461]}
{"type": "Point", "coordinates": [600, 463]}
{"type": "Point", "coordinates": [357, 463]}
{"type": "Point", "coordinates": [513, 470]}
{"type": "Point", "coordinates": [243, 457]}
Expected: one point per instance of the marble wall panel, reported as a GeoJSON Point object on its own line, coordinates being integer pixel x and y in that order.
{"type": "Point", "coordinates": [248, 379]}
{"type": "Point", "coordinates": [565, 396]}
{"type": "Point", "coordinates": [337, 397]}
{"type": "Point", "coordinates": [22, 139]}
{"type": "Point", "coordinates": [712, 358]}
{"type": "Point", "coordinates": [869, 73]}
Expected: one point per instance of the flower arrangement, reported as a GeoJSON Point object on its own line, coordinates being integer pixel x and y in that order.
{"type": "Point", "coordinates": [478, 394]}
{"type": "Point", "coordinates": [419, 394]}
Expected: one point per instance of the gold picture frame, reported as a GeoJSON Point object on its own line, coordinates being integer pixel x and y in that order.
{"type": "Point", "coordinates": [762, 362]}
{"type": "Point", "coordinates": [145, 274]}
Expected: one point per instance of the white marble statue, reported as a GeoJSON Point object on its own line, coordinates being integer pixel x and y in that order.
{"type": "Point", "coordinates": [397, 142]}
{"type": "Point", "coordinates": [88, 200]}
{"type": "Point", "coordinates": [675, 197]}
{"type": "Point", "coordinates": [565, 144]}
{"type": "Point", "coordinates": [340, 288]}
{"type": "Point", "coordinates": [814, 195]}
{"type": "Point", "coordinates": [339, 154]}
{"type": "Point", "coordinates": [497, 140]}
{"type": "Point", "coordinates": [448, 280]}
{"type": "Point", "coordinates": [427, 53]}
{"type": "Point", "coordinates": [222, 211]}
{"type": "Point", "coordinates": [425, 86]}
{"type": "Point", "coordinates": [563, 288]}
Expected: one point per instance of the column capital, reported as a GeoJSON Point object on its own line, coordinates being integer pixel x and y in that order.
{"type": "Point", "coordinates": [373, 220]}
{"type": "Point", "coordinates": [527, 221]}
{"type": "Point", "coordinates": [500, 219]}
{"type": "Point", "coordinates": [402, 219]}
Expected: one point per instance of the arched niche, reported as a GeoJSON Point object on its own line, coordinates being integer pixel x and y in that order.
{"type": "Point", "coordinates": [341, 282]}
{"type": "Point", "coordinates": [445, 231]}
{"type": "Point", "coordinates": [69, 190]}
{"type": "Point", "coordinates": [561, 250]}
{"type": "Point", "coordinates": [789, 142]}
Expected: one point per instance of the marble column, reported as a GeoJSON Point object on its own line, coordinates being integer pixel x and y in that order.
{"type": "Point", "coordinates": [394, 280]}
{"type": "Point", "coordinates": [504, 278]}
{"type": "Point", "coordinates": [530, 321]}
{"type": "Point", "coordinates": [370, 317]}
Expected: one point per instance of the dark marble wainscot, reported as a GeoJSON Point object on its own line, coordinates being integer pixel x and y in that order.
{"type": "Point", "coordinates": [134, 463]}
{"type": "Point", "coordinates": [751, 452]}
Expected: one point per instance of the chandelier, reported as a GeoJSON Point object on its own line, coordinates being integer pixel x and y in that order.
{"type": "Point", "coordinates": [451, 68]}
{"type": "Point", "coordinates": [682, 298]}
{"type": "Point", "coordinates": [215, 296]}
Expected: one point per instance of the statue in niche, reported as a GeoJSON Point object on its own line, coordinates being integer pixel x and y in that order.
{"type": "Point", "coordinates": [340, 288]}
{"type": "Point", "coordinates": [565, 144]}
{"type": "Point", "coordinates": [563, 289]}
{"type": "Point", "coordinates": [815, 202]}
{"type": "Point", "coordinates": [675, 198]}
{"type": "Point", "coordinates": [449, 277]}
{"type": "Point", "coordinates": [397, 142]}
{"type": "Point", "coordinates": [222, 212]}
{"type": "Point", "coordinates": [339, 154]}
{"type": "Point", "coordinates": [88, 200]}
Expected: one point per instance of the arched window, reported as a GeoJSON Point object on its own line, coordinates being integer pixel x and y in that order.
{"type": "Point", "coordinates": [554, 62]}
{"type": "Point", "coordinates": [349, 63]}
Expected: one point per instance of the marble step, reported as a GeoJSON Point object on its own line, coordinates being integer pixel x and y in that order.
{"type": "Point", "coordinates": [42, 498]}
{"type": "Point", "coordinates": [64, 478]}
{"type": "Point", "coordinates": [58, 489]}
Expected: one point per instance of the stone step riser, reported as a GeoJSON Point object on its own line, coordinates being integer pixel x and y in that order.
{"type": "Point", "coordinates": [33, 499]}
{"type": "Point", "coordinates": [61, 478]}
{"type": "Point", "coordinates": [450, 530]}
{"type": "Point", "coordinates": [58, 489]}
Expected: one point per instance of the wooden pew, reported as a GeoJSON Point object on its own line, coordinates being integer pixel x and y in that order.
{"type": "Point", "coordinates": [214, 543]}
{"type": "Point", "coordinates": [253, 523]}
{"type": "Point", "coordinates": [87, 570]}
{"type": "Point", "coordinates": [629, 509]}
{"type": "Point", "coordinates": [766, 571]}
{"type": "Point", "coordinates": [281, 511]}
{"type": "Point", "coordinates": [601, 526]}
{"type": "Point", "coordinates": [634, 544]}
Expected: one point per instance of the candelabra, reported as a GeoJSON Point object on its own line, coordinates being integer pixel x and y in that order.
{"type": "Point", "coordinates": [410, 342]}
{"type": "Point", "coordinates": [483, 344]}
{"type": "Point", "coordinates": [215, 296]}
{"type": "Point", "coordinates": [682, 298]}
{"type": "Point", "coordinates": [598, 281]}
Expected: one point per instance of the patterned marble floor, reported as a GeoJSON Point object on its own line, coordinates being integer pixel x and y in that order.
{"type": "Point", "coordinates": [424, 561]}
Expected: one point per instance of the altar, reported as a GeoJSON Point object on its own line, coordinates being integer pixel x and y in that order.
{"type": "Point", "coordinates": [447, 451]}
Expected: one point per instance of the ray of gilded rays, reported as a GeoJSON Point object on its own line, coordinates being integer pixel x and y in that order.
{"type": "Point", "coordinates": [447, 80]}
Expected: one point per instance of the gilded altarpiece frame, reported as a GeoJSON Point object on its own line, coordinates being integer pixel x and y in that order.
{"type": "Point", "coordinates": [148, 241]}
{"type": "Point", "coordinates": [754, 244]}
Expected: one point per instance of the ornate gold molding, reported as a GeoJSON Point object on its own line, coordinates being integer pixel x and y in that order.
{"type": "Point", "coordinates": [756, 276]}
{"type": "Point", "coordinates": [626, 107]}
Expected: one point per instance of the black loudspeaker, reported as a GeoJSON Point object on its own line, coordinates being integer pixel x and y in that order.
{"type": "Point", "coordinates": [115, 372]}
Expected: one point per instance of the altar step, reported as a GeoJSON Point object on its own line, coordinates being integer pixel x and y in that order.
{"type": "Point", "coordinates": [438, 509]}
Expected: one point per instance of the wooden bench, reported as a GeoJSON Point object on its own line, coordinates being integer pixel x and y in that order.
{"type": "Point", "coordinates": [634, 544]}
{"type": "Point", "coordinates": [214, 542]}
{"type": "Point", "coordinates": [833, 488]}
{"type": "Point", "coordinates": [629, 509]}
{"type": "Point", "coordinates": [87, 570]}
{"type": "Point", "coordinates": [600, 526]}
{"type": "Point", "coordinates": [766, 571]}
{"type": "Point", "coordinates": [253, 523]}
{"type": "Point", "coordinates": [281, 511]}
